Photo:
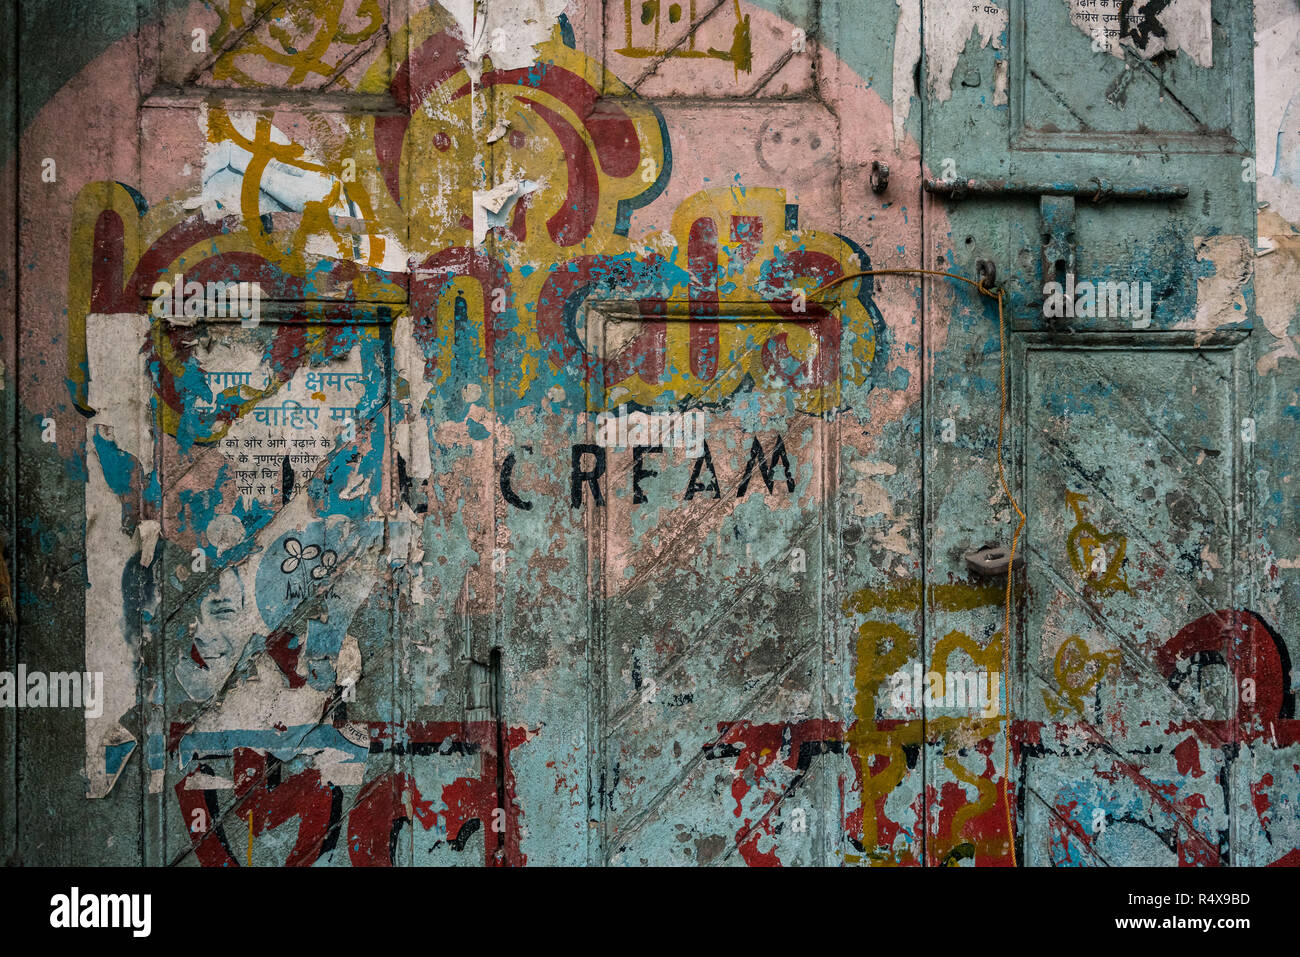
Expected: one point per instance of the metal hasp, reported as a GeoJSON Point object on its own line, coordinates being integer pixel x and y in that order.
{"type": "Point", "coordinates": [1057, 216]}
{"type": "Point", "coordinates": [991, 561]}
{"type": "Point", "coordinates": [1056, 209]}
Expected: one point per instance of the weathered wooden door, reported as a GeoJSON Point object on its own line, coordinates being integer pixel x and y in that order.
{"type": "Point", "coordinates": [1072, 142]}
{"type": "Point", "coordinates": [597, 483]}
{"type": "Point", "coordinates": [274, 659]}
{"type": "Point", "coordinates": [724, 567]}
{"type": "Point", "coordinates": [1104, 146]}
{"type": "Point", "coordinates": [709, 555]}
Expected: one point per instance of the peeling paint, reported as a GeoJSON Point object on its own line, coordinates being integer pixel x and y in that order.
{"type": "Point", "coordinates": [1220, 294]}
{"type": "Point", "coordinates": [1152, 28]}
{"type": "Point", "coordinates": [371, 583]}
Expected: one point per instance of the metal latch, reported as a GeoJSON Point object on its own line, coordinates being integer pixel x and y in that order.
{"type": "Point", "coordinates": [1056, 208]}
{"type": "Point", "coordinates": [1096, 189]}
{"type": "Point", "coordinates": [992, 560]}
{"type": "Point", "coordinates": [1057, 216]}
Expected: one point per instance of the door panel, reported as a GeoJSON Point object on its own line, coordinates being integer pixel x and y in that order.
{"type": "Point", "coordinates": [1107, 89]}
{"type": "Point", "coordinates": [1121, 440]}
{"type": "Point", "coordinates": [1130, 535]}
{"type": "Point", "coordinates": [706, 48]}
{"type": "Point", "coordinates": [1053, 107]}
{"type": "Point", "coordinates": [711, 578]}
{"type": "Point", "coordinates": [274, 661]}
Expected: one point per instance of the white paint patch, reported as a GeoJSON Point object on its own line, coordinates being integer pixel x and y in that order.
{"type": "Point", "coordinates": [1186, 25]}
{"type": "Point", "coordinates": [870, 497]}
{"type": "Point", "coordinates": [394, 259]}
{"type": "Point", "coordinates": [224, 532]}
{"type": "Point", "coordinates": [1277, 86]}
{"type": "Point", "coordinates": [1000, 84]}
{"type": "Point", "coordinates": [656, 244]}
{"type": "Point", "coordinates": [347, 668]}
{"type": "Point", "coordinates": [121, 413]}
{"type": "Point", "coordinates": [108, 649]}
{"type": "Point", "coordinates": [1220, 297]}
{"type": "Point", "coordinates": [492, 207]}
{"type": "Point", "coordinates": [948, 27]}
{"type": "Point", "coordinates": [114, 342]}
{"type": "Point", "coordinates": [339, 767]}
{"type": "Point", "coordinates": [146, 540]}
{"type": "Point", "coordinates": [895, 539]}
{"type": "Point", "coordinates": [506, 30]}
{"type": "Point", "coordinates": [1277, 133]}
{"type": "Point", "coordinates": [406, 551]}
{"type": "Point", "coordinates": [357, 486]}
{"type": "Point", "coordinates": [1277, 290]}
{"type": "Point", "coordinates": [261, 698]}
{"type": "Point", "coordinates": [283, 188]}
{"type": "Point", "coordinates": [208, 782]}
{"type": "Point", "coordinates": [412, 433]}
{"type": "Point", "coordinates": [907, 53]}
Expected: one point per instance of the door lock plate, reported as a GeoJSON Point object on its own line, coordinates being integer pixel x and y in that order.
{"type": "Point", "coordinates": [991, 561]}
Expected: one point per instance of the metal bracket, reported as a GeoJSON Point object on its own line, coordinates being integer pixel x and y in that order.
{"type": "Point", "coordinates": [1056, 207]}
{"type": "Point", "coordinates": [879, 177]}
{"type": "Point", "coordinates": [1057, 215]}
{"type": "Point", "coordinates": [992, 560]}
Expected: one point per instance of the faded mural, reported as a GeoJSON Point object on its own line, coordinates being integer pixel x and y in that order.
{"type": "Point", "coordinates": [490, 433]}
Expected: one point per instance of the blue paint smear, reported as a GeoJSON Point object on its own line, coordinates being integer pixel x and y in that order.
{"type": "Point", "coordinates": [119, 467]}
{"type": "Point", "coordinates": [115, 756]}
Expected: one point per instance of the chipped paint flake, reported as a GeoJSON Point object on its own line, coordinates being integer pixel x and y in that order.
{"type": "Point", "coordinates": [282, 187]}
{"type": "Point", "coordinates": [907, 54]}
{"type": "Point", "coordinates": [1220, 296]}
{"type": "Point", "coordinates": [948, 28]}
{"type": "Point", "coordinates": [492, 207]}
{"type": "Point", "coordinates": [508, 31]}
